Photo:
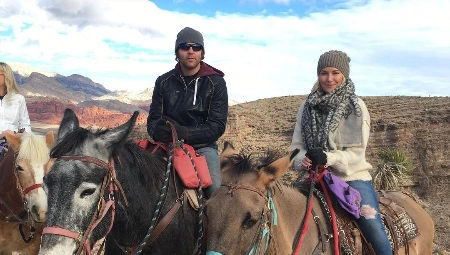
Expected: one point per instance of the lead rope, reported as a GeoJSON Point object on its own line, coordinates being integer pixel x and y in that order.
{"type": "Point", "coordinates": [31, 226]}
{"type": "Point", "coordinates": [21, 223]}
{"type": "Point", "coordinates": [265, 226]}
{"type": "Point", "coordinates": [160, 201]}
{"type": "Point", "coordinates": [200, 200]}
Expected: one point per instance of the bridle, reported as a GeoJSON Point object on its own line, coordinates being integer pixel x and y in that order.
{"type": "Point", "coordinates": [111, 183]}
{"type": "Point", "coordinates": [268, 217]}
{"type": "Point", "coordinates": [28, 189]}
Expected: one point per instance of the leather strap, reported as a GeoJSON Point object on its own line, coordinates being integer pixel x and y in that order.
{"type": "Point", "coordinates": [164, 222]}
{"type": "Point", "coordinates": [192, 198]}
{"type": "Point", "coordinates": [32, 187]}
{"type": "Point", "coordinates": [62, 232]}
{"type": "Point", "coordinates": [358, 244]}
{"type": "Point", "coordinates": [160, 227]}
{"type": "Point", "coordinates": [322, 237]}
{"type": "Point", "coordinates": [391, 228]}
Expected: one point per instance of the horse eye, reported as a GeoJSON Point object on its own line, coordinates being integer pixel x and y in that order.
{"type": "Point", "coordinates": [87, 192]}
{"type": "Point", "coordinates": [19, 168]}
{"type": "Point", "coordinates": [248, 221]}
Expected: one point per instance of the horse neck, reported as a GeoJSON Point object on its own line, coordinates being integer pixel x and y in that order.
{"type": "Point", "coordinates": [9, 191]}
{"type": "Point", "coordinates": [142, 196]}
{"type": "Point", "coordinates": [291, 206]}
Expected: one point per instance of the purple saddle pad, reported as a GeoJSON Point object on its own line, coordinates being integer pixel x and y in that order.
{"type": "Point", "coordinates": [348, 197]}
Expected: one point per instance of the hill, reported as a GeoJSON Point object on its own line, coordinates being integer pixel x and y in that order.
{"type": "Point", "coordinates": [49, 110]}
{"type": "Point", "coordinates": [419, 126]}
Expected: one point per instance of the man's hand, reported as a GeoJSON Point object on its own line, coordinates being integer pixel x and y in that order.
{"type": "Point", "coordinates": [163, 132]}
{"type": "Point", "coordinates": [182, 131]}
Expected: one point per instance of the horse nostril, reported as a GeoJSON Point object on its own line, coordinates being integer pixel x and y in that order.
{"type": "Point", "coordinates": [34, 210]}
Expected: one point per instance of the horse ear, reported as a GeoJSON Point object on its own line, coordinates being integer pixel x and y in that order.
{"type": "Point", "coordinates": [120, 133]}
{"type": "Point", "coordinates": [68, 124]}
{"type": "Point", "coordinates": [228, 149]}
{"type": "Point", "coordinates": [13, 140]}
{"type": "Point", "coordinates": [276, 169]}
{"type": "Point", "coordinates": [49, 138]}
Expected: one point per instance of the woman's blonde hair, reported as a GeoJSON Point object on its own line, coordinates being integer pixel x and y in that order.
{"type": "Point", "coordinates": [10, 81]}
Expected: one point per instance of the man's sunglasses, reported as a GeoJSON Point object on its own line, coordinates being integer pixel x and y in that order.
{"type": "Point", "coordinates": [186, 46]}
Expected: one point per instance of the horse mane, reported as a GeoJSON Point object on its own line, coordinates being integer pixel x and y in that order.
{"type": "Point", "coordinates": [73, 140]}
{"type": "Point", "coordinates": [246, 163]}
{"type": "Point", "coordinates": [33, 148]}
{"type": "Point", "coordinates": [149, 172]}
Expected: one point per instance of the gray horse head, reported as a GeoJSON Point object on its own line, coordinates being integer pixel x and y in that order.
{"type": "Point", "coordinates": [74, 186]}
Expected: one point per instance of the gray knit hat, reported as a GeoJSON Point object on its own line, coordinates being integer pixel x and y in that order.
{"type": "Point", "coordinates": [187, 35]}
{"type": "Point", "coordinates": [337, 59]}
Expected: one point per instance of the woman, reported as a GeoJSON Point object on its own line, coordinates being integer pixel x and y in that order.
{"type": "Point", "coordinates": [13, 109]}
{"type": "Point", "coordinates": [332, 128]}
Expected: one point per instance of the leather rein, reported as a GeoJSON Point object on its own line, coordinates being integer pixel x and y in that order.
{"type": "Point", "coordinates": [111, 183]}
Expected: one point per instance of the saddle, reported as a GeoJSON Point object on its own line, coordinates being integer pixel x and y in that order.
{"type": "Point", "coordinates": [191, 182]}
{"type": "Point", "coordinates": [399, 226]}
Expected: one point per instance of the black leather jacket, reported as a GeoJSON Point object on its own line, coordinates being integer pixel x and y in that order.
{"type": "Point", "coordinates": [201, 105]}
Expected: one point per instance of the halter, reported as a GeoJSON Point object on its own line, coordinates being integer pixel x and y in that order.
{"type": "Point", "coordinates": [28, 189]}
{"type": "Point", "coordinates": [269, 212]}
{"type": "Point", "coordinates": [109, 181]}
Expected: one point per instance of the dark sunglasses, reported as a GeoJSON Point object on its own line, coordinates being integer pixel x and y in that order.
{"type": "Point", "coordinates": [186, 46]}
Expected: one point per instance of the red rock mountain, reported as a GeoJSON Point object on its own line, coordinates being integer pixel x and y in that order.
{"type": "Point", "coordinates": [49, 94]}
{"type": "Point", "coordinates": [50, 110]}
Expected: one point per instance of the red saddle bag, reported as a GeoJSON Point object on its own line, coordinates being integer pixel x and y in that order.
{"type": "Point", "coordinates": [185, 169]}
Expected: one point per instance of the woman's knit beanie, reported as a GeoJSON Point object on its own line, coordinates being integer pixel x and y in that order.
{"type": "Point", "coordinates": [337, 59]}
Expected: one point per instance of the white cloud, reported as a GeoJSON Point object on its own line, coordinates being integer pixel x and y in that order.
{"type": "Point", "coordinates": [397, 47]}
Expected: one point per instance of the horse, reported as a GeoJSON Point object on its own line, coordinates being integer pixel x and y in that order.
{"type": "Point", "coordinates": [103, 184]}
{"type": "Point", "coordinates": [254, 213]}
{"type": "Point", "coordinates": [22, 200]}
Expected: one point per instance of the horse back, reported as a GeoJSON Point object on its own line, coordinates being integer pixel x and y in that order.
{"type": "Point", "coordinates": [403, 216]}
{"type": "Point", "coordinates": [423, 243]}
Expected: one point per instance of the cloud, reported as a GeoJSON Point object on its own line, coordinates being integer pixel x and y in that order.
{"type": "Point", "coordinates": [397, 47]}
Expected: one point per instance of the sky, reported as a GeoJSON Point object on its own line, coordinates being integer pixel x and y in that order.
{"type": "Point", "coordinates": [266, 48]}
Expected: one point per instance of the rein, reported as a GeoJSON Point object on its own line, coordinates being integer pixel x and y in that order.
{"type": "Point", "coordinates": [109, 181]}
{"type": "Point", "coordinates": [159, 205]}
{"type": "Point", "coordinates": [269, 211]}
{"type": "Point", "coordinates": [316, 176]}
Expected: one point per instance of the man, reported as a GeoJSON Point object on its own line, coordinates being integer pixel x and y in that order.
{"type": "Point", "coordinates": [194, 97]}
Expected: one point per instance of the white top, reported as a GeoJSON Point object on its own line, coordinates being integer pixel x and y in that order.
{"type": "Point", "coordinates": [14, 114]}
{"type": "Point", "coordinates": [348, 163]}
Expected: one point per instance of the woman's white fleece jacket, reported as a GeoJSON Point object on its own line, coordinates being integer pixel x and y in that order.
{"type": "Point", "coordinates": [14, 113]}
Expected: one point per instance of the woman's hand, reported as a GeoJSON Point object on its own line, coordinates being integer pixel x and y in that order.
{"type": "Point", "coordinates": [317, 156]}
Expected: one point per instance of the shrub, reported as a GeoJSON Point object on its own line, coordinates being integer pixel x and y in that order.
{"type": "Point", "coordinates": [396, 165]}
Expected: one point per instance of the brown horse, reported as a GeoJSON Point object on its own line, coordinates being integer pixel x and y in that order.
{"type": "Point", "coordinates": [21, 173]}
{"type": "Point", "coordinates": [241, 213]}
